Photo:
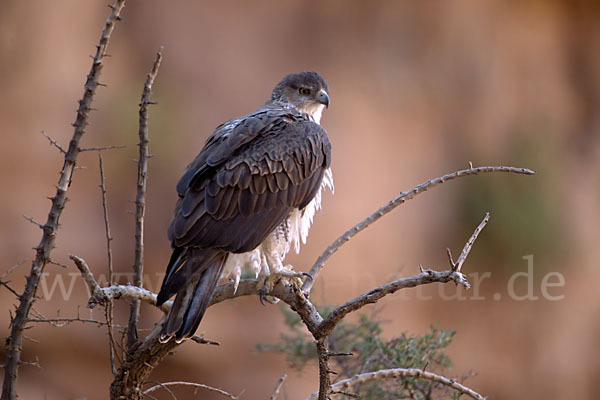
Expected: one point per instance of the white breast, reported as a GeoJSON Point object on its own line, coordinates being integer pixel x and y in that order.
{"type": "Point", "coordinates": [291, 231]}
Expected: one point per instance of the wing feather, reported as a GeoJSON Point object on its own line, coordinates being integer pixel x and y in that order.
{"type": "Point", "coordinates": [259, 183]}
{"type": "Point", "coordinates": [272, 183]}
{"type": "Point", "coordinates": [247, 179]}
{"type": "Point", "coordinates": [247, 203]}
{"type": "Point", "coordinates": [282, 180]}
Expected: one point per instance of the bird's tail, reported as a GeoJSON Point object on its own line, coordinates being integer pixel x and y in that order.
{"type": "Point", "coordinates": [192, 274]}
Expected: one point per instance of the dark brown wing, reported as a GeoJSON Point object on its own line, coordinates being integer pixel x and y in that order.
{"type": "Point", "coordinates": [249, 176]}
{"type": "Point", "coordinates": [247, 179]}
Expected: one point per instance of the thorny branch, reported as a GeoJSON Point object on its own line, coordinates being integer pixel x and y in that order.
{"type": "Point", "coordinates": [43, 250]}
{"type": "Point", "coordinates": [108, 309]}
{"type": "Point", "coordinates": [400, 199]}
{"type": "Point", "coordinates": [54, 143]}
{"type": "Point", "coordinates": [140, 200]}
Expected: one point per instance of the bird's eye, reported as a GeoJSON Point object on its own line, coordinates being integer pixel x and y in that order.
{"type": "Point", "coordinates": [304, 91]}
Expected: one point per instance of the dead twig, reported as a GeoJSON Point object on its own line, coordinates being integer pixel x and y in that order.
{"type": "Point", "coordinates": [202, 340]}
{"type": "Point", "coordinates": [10, 289]}
{"type": "Point", "coordinates": [140, 200]}
{"type": "Point", "coordinates": [278, 386]}
{"type": "Point", "coordinates": [54, 143]}
{"type": "Point", "coordinates": [108, 310]}
{"type": "Point", "coordinates": [108, 314]}
{"type": "Point", "coordinates": [11, 269]}
{"type": "Point", "coordinates": [95, 289]}
{"type": "Point", "coordinates": [34, 222]}
{"type": "Point", "coordinates": [60, 322]}
{"type": "Point", "coordinates": [101, 148]}
{"type": "Point", "coordinates": [101, 295]}
{"type": "Point", "coordinates": [467, 248]}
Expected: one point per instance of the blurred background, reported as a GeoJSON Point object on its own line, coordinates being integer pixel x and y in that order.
{"type": "Point", "coordinates": [418, 89]}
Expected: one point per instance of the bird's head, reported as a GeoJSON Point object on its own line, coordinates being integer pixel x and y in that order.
{"type": "Point", "coordinates": [305, 91]}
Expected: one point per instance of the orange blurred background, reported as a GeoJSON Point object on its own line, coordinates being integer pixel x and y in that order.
{"type": "Point", "coordinates": [418, 89]}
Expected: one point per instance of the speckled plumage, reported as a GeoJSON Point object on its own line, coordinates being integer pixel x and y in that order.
{"type": "Point", "coordinates": [248, 196]}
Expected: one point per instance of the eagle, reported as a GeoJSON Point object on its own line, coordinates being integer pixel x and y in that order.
{"type": "Point", "coordinates": [246, 199]}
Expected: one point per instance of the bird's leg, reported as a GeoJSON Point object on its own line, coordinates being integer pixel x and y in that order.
{"type": "Point", "coordinates": [262, 282]}
{"type": "Point", "coordinates": [274, 270]}
{"type": "Point", "coordinates": [273, 251]}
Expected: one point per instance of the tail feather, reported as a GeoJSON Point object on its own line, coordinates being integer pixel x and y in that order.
{"type": "Point", "coordinates": [170, 285]}
{"type": "Point", "coordinates": [203, 293]}
{"type": "Point", "coordinates": [193, 281]}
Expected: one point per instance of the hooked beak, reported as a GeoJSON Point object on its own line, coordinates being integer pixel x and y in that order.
{"type": "Point", "coordinates": [323, 98]}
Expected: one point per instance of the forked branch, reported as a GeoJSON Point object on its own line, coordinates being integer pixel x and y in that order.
{"type": "Point", "coordinates": [426, 276]}
{"type": "Point", "coordinates": [400, 199]}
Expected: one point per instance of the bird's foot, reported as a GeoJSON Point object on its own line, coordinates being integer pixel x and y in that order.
{"type": "Point", "coordinates": [269, 279]}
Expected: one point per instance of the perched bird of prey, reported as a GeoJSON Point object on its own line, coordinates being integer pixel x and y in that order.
{"type": "Point", "coordinates": [247, 197]}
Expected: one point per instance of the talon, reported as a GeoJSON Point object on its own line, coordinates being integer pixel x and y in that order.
{"type": "Point", "coordinates": [236, 283]}
{"type": "Point", "coordinates": [307, 275]}
{"type": "Point", "coordinates": [262, 296]}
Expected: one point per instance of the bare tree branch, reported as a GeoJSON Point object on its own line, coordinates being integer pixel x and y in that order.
{"type": "Point", "coordinates": [106, 219]}
{"type": "Point", "coordinates": [467, 248]}
{"type": "Point", "coordinates": [140, 200]}
{"type": "Point", "coordinates": [324, 371]}
{"type": "Point", "coordinates": [426, 276]}
{"type": "Point", "coordinates": [9, 288]}
{"type": "Point", "coordinates": [11, 269]}
{"type": "Point", "coordinates": [278, 386]}
{"type": "Point", "coordinates": [108, 309]}
{"type": "Point", "coordinates": [108, 314]}
{"type": "Point", "coordinates": [43, 250]}
{"type": "Point", "coordinates": [193, 384]}
{"type": "Point", "coordinates": [60, 322]}
{"type": "Point", "coordinates": [400, 199]}
{"type": "Point", "coordinates": [54, 143]}
{"type": "Point", "coordinates": [34, 222]}
{"type": "Point", "coordinates": [101, 295]}
{"type": "Point", "coordinates": [402, 372]}
{"type": "Point", "coordinates": [101, 148]}
{"type": "Point", "coordinates": [374, 295]}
